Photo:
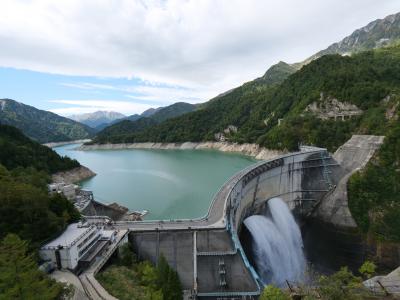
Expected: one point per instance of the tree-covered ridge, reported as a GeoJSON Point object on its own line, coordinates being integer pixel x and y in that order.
{"type": "Point", "coordinates": [364, 80]}
{"type": "Point", "coordinates": [171, 111]}
{"type": "Point", "coordinates": [40, 125]}
{"type": "Point", "coordinates": [126, 126]}
{"type": "Point", "coordinates": [149, 118]}
{"type": "Point", "coordinates": [17, 150]}
{"type": "Point", "coordinates": [27, 210]}
{"type": "Point", "coordinates": [277, 73]}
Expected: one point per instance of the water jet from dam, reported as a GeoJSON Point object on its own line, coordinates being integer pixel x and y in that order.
{"type": "Point", "coordinates": [277, 245]}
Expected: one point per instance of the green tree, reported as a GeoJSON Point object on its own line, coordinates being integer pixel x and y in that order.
{"type": "Point", "coordinates": [271, 292]}
{"type": "Point", "coordinates": [19, 274]}
{"type": "Point", "coordinates": [126, 255]}
{"type": "Point", "coordinates": [168, 280]}
{"type": "Point", "coordinates": [26, 210]}
{"type": "Point", "coordinates": [367, 269]}
{"type": "Point", "coordinates": [342, 285]}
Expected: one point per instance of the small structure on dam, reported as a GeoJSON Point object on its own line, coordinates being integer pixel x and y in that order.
{"type": "Point", "coordinates": [207, 252]}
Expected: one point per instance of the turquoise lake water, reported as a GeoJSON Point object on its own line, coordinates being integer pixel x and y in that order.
{"type": "Point", "coordinates": [168, 183]}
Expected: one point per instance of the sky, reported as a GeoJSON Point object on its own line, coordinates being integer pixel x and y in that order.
{"type": "Point", "coordinates": [74, 56]}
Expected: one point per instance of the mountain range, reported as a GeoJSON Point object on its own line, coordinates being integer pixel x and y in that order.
{"type": "Point", "coordinates": [40, 125]}
{"type": "Point", "coordinates": [150, 117]}
{"type": "Point", "coordinates": [98, 118]}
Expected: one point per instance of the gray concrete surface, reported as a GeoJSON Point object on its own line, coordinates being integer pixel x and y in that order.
{"type": "Point", "coordinates": [195, 248]}
{"type": "Point", "coordinates": [65, 276]}
{"type": "Point", "coordinates": [385, 285]}
{"type": "Point", "coordinates": [352, 156]}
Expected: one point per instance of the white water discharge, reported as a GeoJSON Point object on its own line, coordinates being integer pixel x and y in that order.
{"type": "Point", "coordinates": [277, 244]}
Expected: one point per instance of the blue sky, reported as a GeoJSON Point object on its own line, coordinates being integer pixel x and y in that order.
{"type": "Point", "coordinates": [73, 56]}
{"type": "Point", "coordinates": [68, 95]}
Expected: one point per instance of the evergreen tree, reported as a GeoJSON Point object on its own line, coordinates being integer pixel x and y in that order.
{"type": "Point", "coordinates": [168, 280]}
{"type": "Point", "coordinates": [19, 274]}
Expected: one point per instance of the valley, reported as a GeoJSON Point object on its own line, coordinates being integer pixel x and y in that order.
{"type": "Point", "coordinates": [284, 187]}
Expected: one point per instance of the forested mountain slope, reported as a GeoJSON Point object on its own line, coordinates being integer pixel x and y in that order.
{"type": "Point", "coordinates": [40, 125]}
{"type": "Point", "coordinates": [17, 150]}
{"type": "Point", "coordinates": [26, 209]}
{"type": "Point", "coordinates": [250, 107]}
{"type": "Point", "coordinates": [278, 116]}
{"type": "Point", "coordinates": [151, 117]}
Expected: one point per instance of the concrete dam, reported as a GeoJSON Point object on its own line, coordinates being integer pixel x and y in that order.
{"type": "Point", "coordinates": [207, 252]}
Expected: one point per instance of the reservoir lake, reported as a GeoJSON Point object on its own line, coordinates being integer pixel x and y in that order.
{"type": "Point", "coordinates": [170, 184]}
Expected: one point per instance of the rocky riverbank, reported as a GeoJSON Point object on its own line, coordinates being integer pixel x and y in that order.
{"type": "Point", "coordinates": [74, 175]}
{"type": "Point", "coordinates": [57, 144]}
{"type": "Point", "coordinates": [253, 150]}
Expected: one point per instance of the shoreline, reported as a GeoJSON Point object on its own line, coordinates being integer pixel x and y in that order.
{"type": "Point", "coordinates": [57, 144]}
{"type": "Point", "coordinates": [72, 176]}
{"type": "Point", "coordinates": [252, 150]}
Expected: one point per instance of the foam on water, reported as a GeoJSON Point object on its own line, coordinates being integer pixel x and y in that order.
{"type": "Point", "coordinates": [277, 244]}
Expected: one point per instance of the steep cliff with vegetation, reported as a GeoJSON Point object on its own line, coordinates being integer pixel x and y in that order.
{"type": "Point", "coordinates": [374, 193]}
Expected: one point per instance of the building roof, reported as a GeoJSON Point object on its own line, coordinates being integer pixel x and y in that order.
{"type": "Point", "coordinates": [70, 236]}
{"type": "Point", "coordinates": [107, 234]}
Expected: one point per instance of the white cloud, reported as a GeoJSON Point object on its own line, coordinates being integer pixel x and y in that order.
{"type": "Point", "coordinates": [207, 45]}
{"type": "Point", "coordinates": [87, 106]}
{"type": "Point", "coordinates": [151, 93]}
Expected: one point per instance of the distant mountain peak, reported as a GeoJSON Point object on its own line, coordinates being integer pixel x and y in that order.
{"type": "Point", "coordinates": [375, 34]}
{"type": "Point", "coordinates": [97, 118]}
{"type": "Point", "coordinates": [149, 112]}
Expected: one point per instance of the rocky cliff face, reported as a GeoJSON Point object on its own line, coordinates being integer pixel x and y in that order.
{"type": "Point", "coordinates": [73, 176]}
{"type": "Point", "coordinates": [331, 108]}
{"type": "Point", "coordinates": [376, 34]}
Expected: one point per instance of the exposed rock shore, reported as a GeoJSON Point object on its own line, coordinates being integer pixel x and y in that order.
{"type": "Point", "coordinates": [57, 144]}
{"type": "Point", "coordinates": [253, 150]}
{"type": "Point", "coordinates": [74, 175]}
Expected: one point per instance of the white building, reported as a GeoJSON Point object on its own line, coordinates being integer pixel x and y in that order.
{"type": "Point", "coordinates": [78, 244]}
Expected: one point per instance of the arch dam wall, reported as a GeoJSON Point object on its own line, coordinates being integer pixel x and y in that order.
{"type": "Point", "coordinates": [207, 253]}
